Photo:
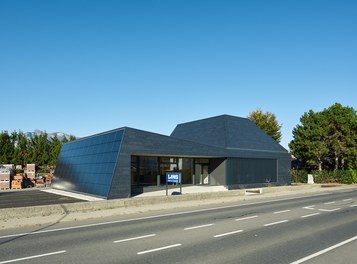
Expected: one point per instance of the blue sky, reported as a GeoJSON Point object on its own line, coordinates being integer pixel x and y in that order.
{"type": "Point", "coordinates": [84, 67]}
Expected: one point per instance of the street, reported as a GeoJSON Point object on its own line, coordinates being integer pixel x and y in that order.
{"type": "Point", "coordinates": [318, 228]}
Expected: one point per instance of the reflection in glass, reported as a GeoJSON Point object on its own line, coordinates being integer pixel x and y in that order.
{"type": "Point", "coordinates": [88, 163]}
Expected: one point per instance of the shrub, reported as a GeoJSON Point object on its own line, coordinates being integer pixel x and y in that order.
{"type": "Point", "coordinates": [299, 176]}
{"type": "Point", "coordinates": [336, 176]}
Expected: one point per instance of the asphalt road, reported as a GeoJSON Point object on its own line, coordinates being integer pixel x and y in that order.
{"type": "Point", "coordinates": [32, 197]}
{"type": "Point", "coordinates": [320, 228]}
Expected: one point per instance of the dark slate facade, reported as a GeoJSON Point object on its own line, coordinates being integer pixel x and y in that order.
{"type": "Point", "coordinates": [229, 132]}
{"type": "Point", "coordinates": [250, 152]}
{"type": "Point", "coordinates": [222, 150]}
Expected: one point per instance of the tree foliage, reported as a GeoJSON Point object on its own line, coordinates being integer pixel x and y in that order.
{"type": "Point", "coordinates": [16, 148]}
{"type": "Point", "coordinates": [327, 139]}
{"type": "Point", "coordinates": [267, 122]}
{"type": "Point", "coordinates": [21, 149]}
{"type": "Point", "coordinates": [6, 149]}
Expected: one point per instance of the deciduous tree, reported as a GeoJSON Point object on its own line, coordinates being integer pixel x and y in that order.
{"type": "Point", "coordinates": [267, 122]}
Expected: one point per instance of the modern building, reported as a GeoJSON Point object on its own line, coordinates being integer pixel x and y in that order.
{"type": "Point", "coordinates": [222, 150]}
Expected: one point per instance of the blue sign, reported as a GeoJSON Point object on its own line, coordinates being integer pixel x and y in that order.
{"type": "Point", "coordinates": [173, 177]}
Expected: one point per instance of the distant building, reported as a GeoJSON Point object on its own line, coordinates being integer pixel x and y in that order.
{"type": "Point", "coordinates": [222, 150]}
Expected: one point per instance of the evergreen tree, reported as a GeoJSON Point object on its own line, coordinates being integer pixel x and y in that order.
{"type": "Point", "coordinates": [55, 150]}
{"type": "Point", "coordinates": [309, 144]}
{"type": "Point", "coordinates": [6, 147]}
{"type": "Point", "coordinates": [64, 140]}
{"type": "Point", "coordinates": [328, 137]}
{"type": "Point", "coordinates": [341, 133]}
{"type": "Point", "coordinates": [40, 149]}
{"type": "Point", "coordinates": [18, 149]}
{"type": "Point", "coordinates": [21, 155]}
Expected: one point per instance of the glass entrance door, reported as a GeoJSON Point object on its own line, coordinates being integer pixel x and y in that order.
{"type": "Point", "coordinates": [201, 174]}
{"type": "Point", "coordinates": [205, 175]}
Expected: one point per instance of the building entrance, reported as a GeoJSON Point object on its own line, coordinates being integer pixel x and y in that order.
{"type": "Point", "coordinates": [201, 175]}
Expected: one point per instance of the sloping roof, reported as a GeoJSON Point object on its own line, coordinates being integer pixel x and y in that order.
{"type": "Point", "coordinates": [227, 131]}
{"type": "Point", "coordinates": [140, 142]}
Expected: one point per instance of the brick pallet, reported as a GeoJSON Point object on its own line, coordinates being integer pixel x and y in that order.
{"type": "Point", "coordinates": [4, 176]}
{"type": "Point", "coordinates": [31, 175]}
{"type": "Point", "coordinates": [4, 185]}
{"type": "Point", "coordinates": [31, 167]}
{"type": "Point", "coordinates": [31, 171]}
{"type": "Point", "coordinates": [40, 182]}
{"type": "Point", "coordinates": [48, 180]}
{"type": "Point", "coordinates": [18, 177]}
{"type": "Point", "coordinates": [16, 184]}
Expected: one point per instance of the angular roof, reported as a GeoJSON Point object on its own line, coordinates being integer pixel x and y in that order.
{"type": "Point", "coordinates": [229, 132]}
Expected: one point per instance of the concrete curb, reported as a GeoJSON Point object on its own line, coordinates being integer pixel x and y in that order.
{"type": "Point", "coordinates": [60, 209]}
{"type": "Point", "coordinates": [82, 210]}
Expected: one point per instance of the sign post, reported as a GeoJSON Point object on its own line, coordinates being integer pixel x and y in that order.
{"type": "Point", "coordinates": [174, 177]}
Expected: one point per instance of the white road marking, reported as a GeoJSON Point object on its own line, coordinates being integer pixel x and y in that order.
{"type": "Point", "coordinates": [246, 218]}
{"type": "Point", "coordinates": [134, 238]}
{"type": "Point", "coordinates": [330, 210]}
{"type": "Point", "coordinates": [330, 202]}
{"type": "Point", "coordinates": [280, 212]}
{"type": "Point", "coordinates": [309, 207]}
{"type": "Point", "coordinates": [346, 200]}
{"type": "Point", "coordinates": [229, 233]}
{"type": "Point", "coordinates": [353, 205]}
{"type": "Point", "coordinates": [276, 223]}
{"type": "Point", "coordinates": [309, 215]}
{"type": "Point", "coordinates": [158, 216]}
{"type": "Point", "coordinates": [158, 249]}
{"type": "Point", "coordinates": [324, 251]}
{"type": "Point", "coordinates": [32, 257]}
{"type": "Point", "coordinates": [196, 227]}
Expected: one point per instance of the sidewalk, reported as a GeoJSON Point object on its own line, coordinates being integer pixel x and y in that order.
{"type": "Point", "coordinates": [185, 190]}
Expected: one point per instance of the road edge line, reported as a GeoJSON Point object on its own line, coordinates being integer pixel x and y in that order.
{"type": "Point", "coordinates": [324, 251]}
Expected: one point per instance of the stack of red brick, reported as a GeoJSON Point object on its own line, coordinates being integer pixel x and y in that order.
{"type": "Point", "coordinates": [4, 179]}
{"type": "Point", "coordinates": [31, 174]}
{"type": "Point", "coordinates": [23, 180]}
{"type": "Point", "coordinates": [17, 182]}
{"type": "Point", "coordinates": [48, 179]}
{"type": "Point", "coordinates": [40, 182]}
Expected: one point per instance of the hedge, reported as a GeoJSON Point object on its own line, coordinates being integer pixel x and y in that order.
{"type": "Point", "coordinates": [325, 176]}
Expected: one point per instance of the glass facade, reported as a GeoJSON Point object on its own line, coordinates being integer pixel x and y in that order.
{"type": "Point", "coordinates": [87, 165]}
{"type": "Point", "coordinates": [146, 169]}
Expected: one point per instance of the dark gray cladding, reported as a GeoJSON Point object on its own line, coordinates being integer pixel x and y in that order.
{"type": "Point", "coordinates": [228, 132]}
{"type": "Point", "coordinates": [239, 153]}
{"type": "Point", "coordinates": [86, 165]}
{"type": "Point", "coordinates": [138, 142]}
